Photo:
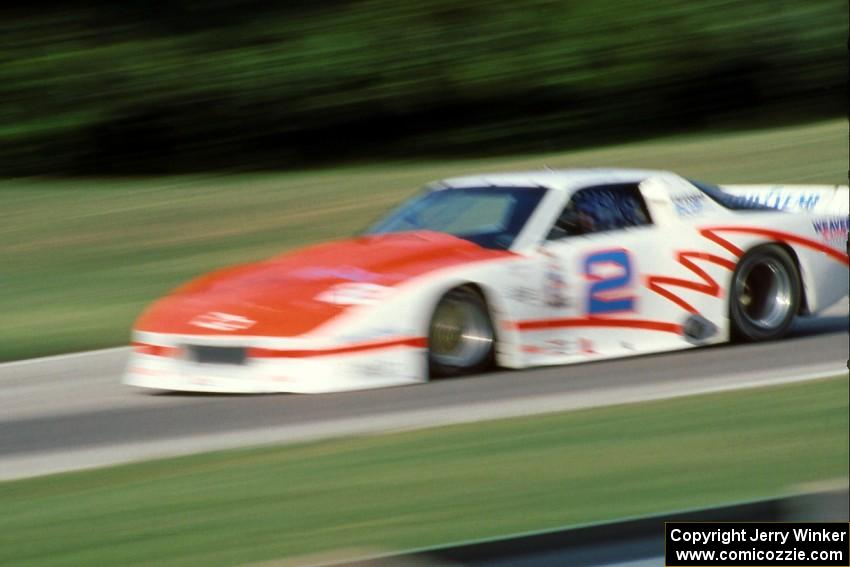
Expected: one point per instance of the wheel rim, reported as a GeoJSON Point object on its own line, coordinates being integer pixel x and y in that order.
{"type": "Point", "coordinates": [460, 334]}
{"type": "Point", "coordinates": [764, 293]}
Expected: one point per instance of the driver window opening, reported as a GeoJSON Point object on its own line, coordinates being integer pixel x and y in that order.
{"type": "Point", "coordinates": [601, 209]}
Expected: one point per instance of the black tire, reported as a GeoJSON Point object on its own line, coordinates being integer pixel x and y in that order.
{"type": "Point", "coordinates": [461, 338]}
{"type": "Point", "coordinates": [764, 294]}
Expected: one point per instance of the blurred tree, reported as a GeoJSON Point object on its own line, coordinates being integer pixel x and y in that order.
{"type": "Point", "coordinates": [188, 84]}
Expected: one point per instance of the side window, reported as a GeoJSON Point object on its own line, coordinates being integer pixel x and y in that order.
{"type": "Point", "coordinates": [601, 208]}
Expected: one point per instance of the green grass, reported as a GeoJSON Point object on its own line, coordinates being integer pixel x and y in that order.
{"type": "Point", "coordinates": [434, 486]}
{"type": "Point", "coordinates": [80, 258]}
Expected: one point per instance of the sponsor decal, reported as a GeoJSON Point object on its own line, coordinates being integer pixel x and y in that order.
{"type": "Point", "coordinates": [780, 198]}
{"type": "Point", "coordinates": [689, 204]}
{"type": "Point", "coordinates": [219, 321]}
{"type": "Point", "coordinates": [523, 294]}
{"type": "Point", "coordinates": [831, 228]}
{"type": "Point", "coordinates": [561, 347]}
{"type": "Point", "coordinates": [520, 289]}
{"type": "Point", "coordinates": [354, 294]}
{"type": "Point", "coordinates": [554, 285]}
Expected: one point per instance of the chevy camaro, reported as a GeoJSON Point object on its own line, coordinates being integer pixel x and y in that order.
{"type": "Point", "coordinates": [512, 270]}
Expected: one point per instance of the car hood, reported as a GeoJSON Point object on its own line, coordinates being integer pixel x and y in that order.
{"type": "Point", "coordinates": [294, 293]}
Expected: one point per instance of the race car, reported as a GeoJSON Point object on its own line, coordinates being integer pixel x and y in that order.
{"type": "Point", "coordinates": [513, 270]}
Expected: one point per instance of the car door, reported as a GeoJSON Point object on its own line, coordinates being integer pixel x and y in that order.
{"type": "Point", "coordinates": [594, 302]}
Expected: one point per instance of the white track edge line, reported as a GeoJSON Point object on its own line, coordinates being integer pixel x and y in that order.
{"type": "Point", "coordinates": [57, 357]}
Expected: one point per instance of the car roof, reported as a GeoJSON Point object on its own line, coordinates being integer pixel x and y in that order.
{"type": "Point", "coordinates": [564, 179]}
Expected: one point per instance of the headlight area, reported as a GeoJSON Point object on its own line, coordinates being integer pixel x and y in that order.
{"type": "Point", "coordinates": [157, 350]}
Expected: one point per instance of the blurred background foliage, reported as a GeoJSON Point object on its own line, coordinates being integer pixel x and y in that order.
{"type": "Point", "coordinates": [153, 86]}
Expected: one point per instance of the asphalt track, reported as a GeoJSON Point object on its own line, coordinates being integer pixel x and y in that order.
{"type": "Point", "coordinates": [71, 412]}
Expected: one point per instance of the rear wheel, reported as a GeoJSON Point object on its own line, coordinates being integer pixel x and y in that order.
{"type": "Point", "coordinates": [765, 294]}
{"type": "Point", "coordinates": [460, 335]}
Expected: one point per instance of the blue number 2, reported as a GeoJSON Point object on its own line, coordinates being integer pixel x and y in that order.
{"type": "Point", "coordinates": [603, 296]}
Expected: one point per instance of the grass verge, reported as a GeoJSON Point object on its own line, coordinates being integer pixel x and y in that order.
{"type": "Point", "coordinates": [80, 258]}
{"type": "Point", "coordinates": [433, 486]}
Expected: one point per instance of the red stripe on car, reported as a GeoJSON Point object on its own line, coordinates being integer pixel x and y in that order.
{"type": "Point", "coordinates": [416, 342]}
{"type": "Point", "coordinates": [540, 324]}
{"type": "Point", "coordinates": [776, 235]}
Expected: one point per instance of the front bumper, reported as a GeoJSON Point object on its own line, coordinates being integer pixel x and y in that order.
{"type": "Point", "coordinates": [390, 363]}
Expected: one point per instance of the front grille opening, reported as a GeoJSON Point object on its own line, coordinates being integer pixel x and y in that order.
{"type": "Point", "coordinates": [216, 355]}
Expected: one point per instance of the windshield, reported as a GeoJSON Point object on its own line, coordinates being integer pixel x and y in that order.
{"type": "Point", "coordinates": [488, 216]}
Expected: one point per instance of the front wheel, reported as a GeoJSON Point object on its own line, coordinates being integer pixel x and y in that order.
{"type": "Point", "coordinates": [765, 294]}
{"type": "Point", "coordinates": [460, 334]}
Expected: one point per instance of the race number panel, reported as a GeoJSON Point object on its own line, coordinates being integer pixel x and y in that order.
{"type": "Point", "coordinates": [610, 274]}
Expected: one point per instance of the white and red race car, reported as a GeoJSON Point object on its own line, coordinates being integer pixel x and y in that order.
{"type": "Point", "coordinates": [516, 270]}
